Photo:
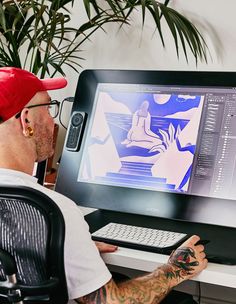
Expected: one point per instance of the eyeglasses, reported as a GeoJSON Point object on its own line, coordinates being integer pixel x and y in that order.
{"type": "Point", "coordinates": [53, 108]}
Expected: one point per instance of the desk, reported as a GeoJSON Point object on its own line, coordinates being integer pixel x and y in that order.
{"type": "Point", "coordinates": [223, 275]}
{"type": "Point", "coordinates": [142, 261]}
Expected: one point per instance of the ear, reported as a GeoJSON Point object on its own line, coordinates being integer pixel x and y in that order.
{"type": "Point", "coordinates": [24, 119]}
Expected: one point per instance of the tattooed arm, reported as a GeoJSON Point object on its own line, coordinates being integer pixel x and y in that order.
{"type": "Point", "coordinates": [184, 263]}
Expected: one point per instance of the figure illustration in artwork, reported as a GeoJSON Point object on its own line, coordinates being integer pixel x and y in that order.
{"type": "Point", "coordinates": [140, 134]}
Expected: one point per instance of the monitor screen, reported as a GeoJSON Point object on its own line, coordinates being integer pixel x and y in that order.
{"type": "Point", "coordinates": [153, 142]}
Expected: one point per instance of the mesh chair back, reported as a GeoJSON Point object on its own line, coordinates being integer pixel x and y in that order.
{"type": "Point", "coordinates": [32, 231]}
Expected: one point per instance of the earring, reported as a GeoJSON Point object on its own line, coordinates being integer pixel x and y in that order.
{"type": "Point", "coordinates": [29, 132]}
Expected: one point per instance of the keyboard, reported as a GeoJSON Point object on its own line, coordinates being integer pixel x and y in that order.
{"type": "Point", "coordinates": [139, 237]}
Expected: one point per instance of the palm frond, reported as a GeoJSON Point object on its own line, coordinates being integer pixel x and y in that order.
{"type": "Point", "coordinates": [42, 28]}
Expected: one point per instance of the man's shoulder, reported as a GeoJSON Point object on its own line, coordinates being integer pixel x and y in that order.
{"type": "Point", "coordinates": [58, 198]}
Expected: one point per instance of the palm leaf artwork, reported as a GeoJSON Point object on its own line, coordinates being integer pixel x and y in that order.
{"type": "Point", "coordinates": [42, 28]}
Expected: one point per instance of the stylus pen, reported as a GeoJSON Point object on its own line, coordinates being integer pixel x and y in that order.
{"type": "Point", "coordinates": [202, 242]}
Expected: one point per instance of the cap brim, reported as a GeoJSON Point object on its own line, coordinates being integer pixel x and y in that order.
{"type": "Point", "coordinates": [54, 83]}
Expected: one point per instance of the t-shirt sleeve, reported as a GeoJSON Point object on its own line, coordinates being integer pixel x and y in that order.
{"type": "Point", "coordinates": [85, 270]}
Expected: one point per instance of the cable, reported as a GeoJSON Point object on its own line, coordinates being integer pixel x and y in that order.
{"type": "Point", "coordinates": [60, 115]}
{"type": "Point", "coordinates": [199, 293]}
{"type": "Point", "coordinates": [69, 99]}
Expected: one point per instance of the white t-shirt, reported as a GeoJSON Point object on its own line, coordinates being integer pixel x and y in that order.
{"type": "Point", "coordinates": [84, 268]}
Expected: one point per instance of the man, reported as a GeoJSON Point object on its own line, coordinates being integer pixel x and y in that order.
{"type": "Point", "coordinates": [26, 136]}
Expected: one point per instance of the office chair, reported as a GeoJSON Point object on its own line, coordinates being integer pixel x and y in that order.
{"type": "Point", "coordinates": [32, 234]}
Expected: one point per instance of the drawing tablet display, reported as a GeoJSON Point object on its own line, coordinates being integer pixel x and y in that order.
{"type": "Point", "coordinates": [158, 143]}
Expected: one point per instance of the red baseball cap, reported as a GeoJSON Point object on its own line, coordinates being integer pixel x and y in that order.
{"type": "Point", "coordinates": [18, 86]}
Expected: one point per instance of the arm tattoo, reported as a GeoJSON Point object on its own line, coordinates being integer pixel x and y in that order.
{"type": "Point", "coordinates": [99, 297]}
{"type": "Point", "coordinates": [149, 289]}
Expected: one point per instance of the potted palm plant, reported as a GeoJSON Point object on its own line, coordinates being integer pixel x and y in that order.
{"type": "Point", "coordinates": [37, 35]}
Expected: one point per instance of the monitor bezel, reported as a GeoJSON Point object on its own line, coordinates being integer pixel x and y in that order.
{"type": "Point", "coordinates": [130, 200]}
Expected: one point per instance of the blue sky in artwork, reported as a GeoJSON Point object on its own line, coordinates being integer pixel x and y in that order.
{"type": "Point", "coordinates": [174, 105]}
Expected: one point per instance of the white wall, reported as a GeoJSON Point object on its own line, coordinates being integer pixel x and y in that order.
{"type": "Point", "coordinates": [134, 48]}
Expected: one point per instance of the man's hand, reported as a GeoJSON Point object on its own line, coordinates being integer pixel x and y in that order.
{"type": "Point", "coordinates": [188, 260]}
{"type": "Point", "coordinates": [105, 248]}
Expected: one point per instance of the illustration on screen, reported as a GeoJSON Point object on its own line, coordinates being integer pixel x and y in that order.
{"type": "Point", "coordinates": [142, 140]}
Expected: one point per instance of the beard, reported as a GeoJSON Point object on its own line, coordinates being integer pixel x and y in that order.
{"type": "Point", "coordinates": [44, 144]}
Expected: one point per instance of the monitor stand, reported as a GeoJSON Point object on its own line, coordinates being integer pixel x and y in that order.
{"type": "Point", "coordinates": [222, 246]}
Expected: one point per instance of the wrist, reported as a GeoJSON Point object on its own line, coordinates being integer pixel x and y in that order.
{"type": "Point", "coordinates": [173, 274]}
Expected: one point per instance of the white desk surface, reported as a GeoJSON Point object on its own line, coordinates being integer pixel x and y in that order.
{"type": "Point", "coordinates": [218, 274]}
{"type": "Point", "coordinates": [223, 275]}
